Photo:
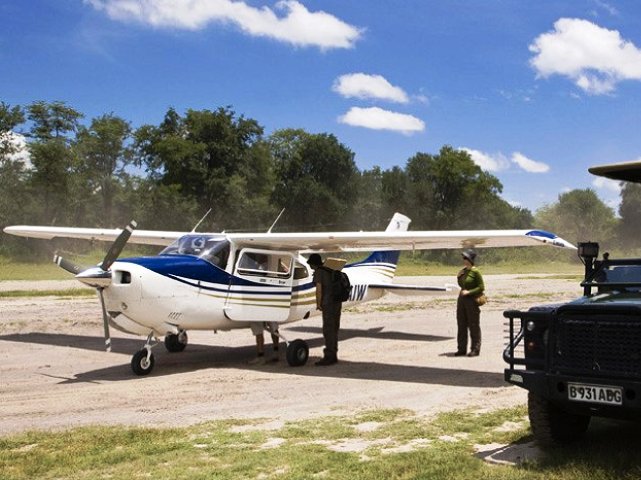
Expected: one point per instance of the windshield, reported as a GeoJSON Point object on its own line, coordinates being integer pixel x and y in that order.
{"type": "Point", "coordinates": [214, 249]}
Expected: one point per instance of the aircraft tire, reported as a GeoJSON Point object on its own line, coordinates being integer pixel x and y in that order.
{"type": "Point", "coordinates": [139, 363]}
{"type": "Point", "coordinates": [297, 353]}
{"type": "Point", "coordinates": [176, 343]}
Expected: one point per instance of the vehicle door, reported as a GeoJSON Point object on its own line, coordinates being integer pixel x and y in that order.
{"type": "Point", "coordinates": [261, 286]}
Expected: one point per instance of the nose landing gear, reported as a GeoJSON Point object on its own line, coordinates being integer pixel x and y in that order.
{"type": "Point", "coordinates": [143, 360]}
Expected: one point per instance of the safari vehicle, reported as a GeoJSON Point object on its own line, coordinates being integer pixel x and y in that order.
{"type": "Point", "coordinates": [582, 358]}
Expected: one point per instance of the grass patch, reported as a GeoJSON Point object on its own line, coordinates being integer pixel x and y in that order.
{"type": "Point", "coordinates": [32, 271]}
{"type": "Point", "coordinates": [411, 268]}
{"type": "Point", "coordinates": [402, 446]}
{"type": "Point", "coordinates": [68, 293]}
{"type": "Point", "coordinates": [407, 267]}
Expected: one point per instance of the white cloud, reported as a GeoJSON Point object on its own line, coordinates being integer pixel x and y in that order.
{"type": "Point", "coordinates": [17, 144]}
{"type": "Point", "coordinates": [379, 119]}
{"type": "Point", "coordinates": [607, 7]}
{"type": "Point", "coordinates": [531, 166]}
{"type": "Point", "coordinates": [612, 186]}
{"type": "Point", "coordinates": [488, 162]}
{"type": "Point", "coordinates": [595, 58]}
{"type": "Point", "coordinates": [364, 86]}
{"type": "Point", "coordinates": [298, 26]}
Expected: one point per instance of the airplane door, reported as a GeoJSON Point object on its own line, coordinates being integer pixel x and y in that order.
{"type": "Point", "coordinates": [261, 286]}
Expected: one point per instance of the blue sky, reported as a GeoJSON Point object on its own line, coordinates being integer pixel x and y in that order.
{"type": "Point", "coordinates": [537, 91]}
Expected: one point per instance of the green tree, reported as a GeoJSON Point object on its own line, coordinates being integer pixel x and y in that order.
{"type": "Point", "coordinates": [368, 212]}
{"type": "Point", "coordinates": [103, 154]}
{"type": "Point", "coordinates": [578, 216]}
{"type": "Point", "coordinates": [215, 158]}
{"type": "Point", "coordinates": [14, 198]}
{"type": "Point", "coordinates": [53, 126]}
{"type": "Point", "coordinates": [315, 179]}
{"type": "Point", "coordinates": [394, 192]}
{"type": "Point", "coordinates": [630, 213]}
{"type": "Point", "coordinates": [448, 190]}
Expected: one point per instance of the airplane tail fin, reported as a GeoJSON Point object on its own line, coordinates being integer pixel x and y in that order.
{"type": "Point", "coordinates": [382, 263]}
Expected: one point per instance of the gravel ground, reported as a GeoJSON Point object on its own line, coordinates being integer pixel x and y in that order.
{"type": "Point", "coordinates": [395, 352]}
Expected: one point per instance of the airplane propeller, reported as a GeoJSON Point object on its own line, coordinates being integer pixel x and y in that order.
{"type": "Point", "coordinates": [100, 277]}
{"type": "Point", "coordinates": [67, 265]}
{"type": "Point", "coordinates": [118, 245]}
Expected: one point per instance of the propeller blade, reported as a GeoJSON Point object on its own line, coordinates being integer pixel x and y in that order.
{"type": "Point", "coordinates": [105, 320]}
{"type": "Point", "coordinates": [95, 277]}
{"type": "Point", "coordinates": [118, 245]}
{"type": "Point", "coordinates": [67, 265]}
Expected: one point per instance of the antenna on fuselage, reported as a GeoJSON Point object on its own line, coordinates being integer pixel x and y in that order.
{"type": "Point", "coordinates": [273, 224]}
{"type": "Point", "coordinates": [193, 230]}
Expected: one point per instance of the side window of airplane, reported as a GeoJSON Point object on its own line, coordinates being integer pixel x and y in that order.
{"type": "Point", "coordinates": [216, 252]}
{"type": "Point", "coordinates": [264, 264]}
{"type": "Point", "coordinates": [300, 271]}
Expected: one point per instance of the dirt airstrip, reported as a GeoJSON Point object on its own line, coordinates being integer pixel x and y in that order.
{"type": "Point", "coordinates": [394, 353]}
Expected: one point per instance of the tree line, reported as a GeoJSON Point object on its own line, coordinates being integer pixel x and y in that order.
{"type": "Point", "coordinates": [103, 172]}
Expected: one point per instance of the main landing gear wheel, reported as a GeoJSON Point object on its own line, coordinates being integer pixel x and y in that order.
{"type": "Point", "coordinates": [140, 364]}
{"type": "Point", "coordinates": [297, 353]}
{"type": "Point", "coordinates": [176, 343]}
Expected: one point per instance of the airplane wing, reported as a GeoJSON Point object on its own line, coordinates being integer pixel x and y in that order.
{"type": "Point", "coordinates": [323, 241]}
{"type": "Point", "coordinates": [144, 237]}
{"type": "Point", "coordinates": [403, 240]}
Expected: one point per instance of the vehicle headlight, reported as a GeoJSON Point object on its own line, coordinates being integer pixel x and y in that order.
{"type": "Point", "coordinates": [530, 326]}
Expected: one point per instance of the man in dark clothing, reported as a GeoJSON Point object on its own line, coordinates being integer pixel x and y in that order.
{"type": "Point", "coordinates": [331, 309]}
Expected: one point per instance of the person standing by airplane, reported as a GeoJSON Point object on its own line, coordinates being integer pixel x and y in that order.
{"type": "Point", "coordinates": [330, 308]}
{"type": "Point", "coordinates": [468, 311]}
{"type": "Point", "coordinates": [257, 330]}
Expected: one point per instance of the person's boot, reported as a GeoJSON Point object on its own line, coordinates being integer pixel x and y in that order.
{"type": "Point", "coordinates": [326, 361]}
{"type": "Point", "coordinates": [474, 353]}
{"type": "Point", "coordinates": [459, 353]}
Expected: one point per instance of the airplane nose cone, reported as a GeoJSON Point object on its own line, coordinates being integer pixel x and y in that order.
{"type": "Point", "coordinates": [95, 277]}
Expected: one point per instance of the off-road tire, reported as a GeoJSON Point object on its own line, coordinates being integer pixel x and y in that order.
{"type": "Point", "coordinates": [551, 425]}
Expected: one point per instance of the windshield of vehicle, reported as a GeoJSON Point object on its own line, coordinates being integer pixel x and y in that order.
{"type": "Point", "coordinates": [623, 274]}
{"type": "Point", "coordinates": [212, 248]}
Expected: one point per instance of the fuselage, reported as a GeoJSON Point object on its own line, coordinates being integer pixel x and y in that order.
{"type": "Point", "coordinates": [192, 289]}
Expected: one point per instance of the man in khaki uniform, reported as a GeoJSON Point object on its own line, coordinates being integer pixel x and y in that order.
{"type": "Point", "coordinates": [468, 313]}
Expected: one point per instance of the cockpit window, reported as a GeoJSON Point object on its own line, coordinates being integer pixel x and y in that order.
{"type": "Point", "coordinates": [213, 249]}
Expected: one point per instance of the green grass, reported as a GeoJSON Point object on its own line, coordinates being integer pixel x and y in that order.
{"type": "Point", "coordinates": [565, 269]}
{"type": "Point", "coordinates": [70, 292]}
{"type": "Point", "coordinates": [329, 447]}
{"type": "Point", "coordinates": [31, 271]}
{"type": "Point", "coordinates": [50, 271]}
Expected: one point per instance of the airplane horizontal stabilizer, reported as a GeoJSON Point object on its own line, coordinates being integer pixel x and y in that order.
{"type": "Point", "coordinates": [413, 290]}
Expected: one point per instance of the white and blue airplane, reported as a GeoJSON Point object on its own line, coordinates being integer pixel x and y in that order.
{"type": "Point", "coordinates": [225, 281]}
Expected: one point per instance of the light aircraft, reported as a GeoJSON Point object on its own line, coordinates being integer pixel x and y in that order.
{"type": "Point", "coordinates": [224, 281]}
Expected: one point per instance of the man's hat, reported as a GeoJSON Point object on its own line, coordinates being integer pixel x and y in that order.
{"type": "Point", "coordinates": [314, 260]}
{"type": "Point", "coordinates": [470, 255]}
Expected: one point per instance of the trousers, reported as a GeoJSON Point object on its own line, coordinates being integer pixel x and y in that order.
{"type": "Point", "coordinates": [331, 325]}
{"type": "Point", "coordinates": [468, 318]}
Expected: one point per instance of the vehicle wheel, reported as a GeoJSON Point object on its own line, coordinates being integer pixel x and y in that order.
{"type": "Point", "coordinates": [297, 353]}
{"type": "Point", "coordinates": [551, 425]}
{"type": "Point", "coordinates": [176, 343]}
{"type": "Point", "coordinates": [139, 363]}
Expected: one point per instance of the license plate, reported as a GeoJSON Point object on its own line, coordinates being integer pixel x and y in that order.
{"type": "Point", "coordinates": [580, 392]}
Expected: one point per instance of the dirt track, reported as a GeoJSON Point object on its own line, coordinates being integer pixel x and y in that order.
{"type": "Point", "coordinates": [395, 353]}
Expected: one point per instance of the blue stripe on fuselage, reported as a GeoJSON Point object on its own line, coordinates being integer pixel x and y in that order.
{"type": "Point", "coordinates": [187, 266]}
{"type": "Point", "coordinates": [380, 257]}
